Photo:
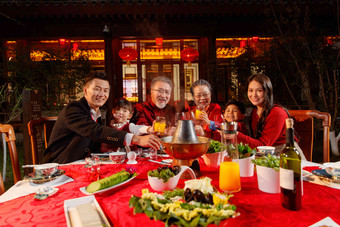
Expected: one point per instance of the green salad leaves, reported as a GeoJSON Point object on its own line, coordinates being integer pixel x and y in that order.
{"type": "Point", "coordinates": [178, 212]}
{"type": "Point", "coordinates": [268, 161]}
{"type": "Point", "coordinates": [214, 147]}
{"type": "Point", "coordinates": [245, 151]}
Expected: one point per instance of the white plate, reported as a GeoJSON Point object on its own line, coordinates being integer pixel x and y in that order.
{"type": "Point", "coordinates": [70, 203]}
{"type": "Point", "coordinates": [83, 189]}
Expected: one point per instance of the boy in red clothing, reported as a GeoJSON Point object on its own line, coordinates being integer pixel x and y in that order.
{"type": "Point", "coordinates": [121, 112]}
{"type": "Point", "coordinates": [234, 111]}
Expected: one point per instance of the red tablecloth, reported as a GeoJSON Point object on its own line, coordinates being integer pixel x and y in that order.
{"type": "Point", "coordinates": [257, 208]}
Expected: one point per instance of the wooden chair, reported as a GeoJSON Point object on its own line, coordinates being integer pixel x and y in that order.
{"type": "Point", "coordinates": [304, 126]}
{"type": "Point", "coordinates": [2, 186]}
{"type": "Point", "coordinates": [40, 130]}
{"type": "Point", "coordinates": [10, 139]}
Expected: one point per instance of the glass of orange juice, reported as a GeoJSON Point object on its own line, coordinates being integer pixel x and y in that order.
{"type": "Point", "coordinates": [199, 110]}
{"type": "Point", "coordinates": [230, 177]}
{"type": "Point", "coordinates": [159, 125]}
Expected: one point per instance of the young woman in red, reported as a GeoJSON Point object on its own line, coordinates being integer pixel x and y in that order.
{"type": "Point", "coordinates": [267, 120]}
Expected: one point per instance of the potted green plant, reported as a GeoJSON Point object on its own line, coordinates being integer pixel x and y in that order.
{"type": "Point", "coordinates": [213, 157]}
{"type": "Point", "coordinates": [246, 155]}
{"type": "Point", "coordinates": [267, 170]}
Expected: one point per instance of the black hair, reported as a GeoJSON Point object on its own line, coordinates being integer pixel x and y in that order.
{"type": "Point", "coordinates": [197, 83]}
{"type": "Point", "coordinates": [96, 75]}
{"type": "Point", "coordinates": [268, 102]}
{"type": "Point", "coordinates": [236, 103]}
{"type": "Point", "coordinates": [123, 103]}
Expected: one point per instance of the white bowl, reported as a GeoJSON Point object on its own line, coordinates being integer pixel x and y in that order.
{"type": "Point", "coordinates": [265, 150]}
{"type": "Point", "coordinates": [213, 160]}
{"type": "Point", "coordinates": [117, 157]}
{"type": "Point", "coordinates": [47, 169]}
{"type": "Point", "coordinates": [268, 179]}
{"type": "Point", "coordinates": [158, 184]}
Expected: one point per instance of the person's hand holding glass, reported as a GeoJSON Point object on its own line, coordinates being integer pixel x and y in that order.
{"type": "Point", "coordinates": [159, 126]}
{"type": "Point", "coordinates": [201, 116]}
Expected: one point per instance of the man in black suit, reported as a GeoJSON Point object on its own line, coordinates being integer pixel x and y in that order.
{"type": "Point", "coordinates": [78, 130]}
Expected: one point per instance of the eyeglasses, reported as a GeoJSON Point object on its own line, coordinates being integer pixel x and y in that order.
{"type": "Point", "coordinates": [205, 95]}
{"type": "Point", "coordinates": [161, 91]}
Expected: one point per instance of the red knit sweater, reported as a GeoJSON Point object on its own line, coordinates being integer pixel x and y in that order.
{"type": "Point", "coordinates": [273, 133]}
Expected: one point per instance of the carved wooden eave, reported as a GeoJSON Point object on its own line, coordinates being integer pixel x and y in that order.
{"type": "Point", "coordinates": [173, 17]}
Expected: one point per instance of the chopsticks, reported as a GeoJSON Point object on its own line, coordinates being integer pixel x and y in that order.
{"type": "Point", "coordinates": [161, 162]}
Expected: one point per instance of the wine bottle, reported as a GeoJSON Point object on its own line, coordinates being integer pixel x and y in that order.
{"type": "Point", "coordinates": [290, 171]}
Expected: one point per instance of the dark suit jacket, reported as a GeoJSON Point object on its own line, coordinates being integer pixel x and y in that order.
{"type": "Point", "coordinates": [75, 134]}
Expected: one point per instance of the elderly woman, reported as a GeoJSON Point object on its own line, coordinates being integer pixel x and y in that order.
{"type": "Point", "coordinates": [201, 92]}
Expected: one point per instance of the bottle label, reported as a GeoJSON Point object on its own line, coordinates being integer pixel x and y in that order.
{"type": "Point", "coordinates": [287, 179]}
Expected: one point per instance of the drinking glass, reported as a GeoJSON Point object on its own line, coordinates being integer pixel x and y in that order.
{"type": "Point", "coordinates": [229, 179]}
{"type": "Point", "coordinates": [199, 111]}
{"type": "Point", "coordinates": [93, 168]}
{"type": "Point", "coordinates": [179, 116]}
{"type": "Point", "coordinates": [159, 125]}
{"type": "Point", "coordinates": [152, 153]}
{"type": "Point", "coordinates": [218, 120]}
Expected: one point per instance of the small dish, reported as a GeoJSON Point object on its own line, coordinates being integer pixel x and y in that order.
{"type": "Point", "coordinates": [72, 218]}
{"type": "Point", "coordinates": [323, 175]}
{"type": "Point", "coordinates": [157, 184]}
{"type": "Point", "coordinates": [101, 156]}
{"type": "Point", "coordinates": [117, 157]}
{"type": "Point", "coordinates": [45, 192]}
{"type": "Point", "coordinates": [265, 150]}
{"type": "Point", "coordinates": [46, 169]}
{"type": "Point", "coordinates": [42, 179]}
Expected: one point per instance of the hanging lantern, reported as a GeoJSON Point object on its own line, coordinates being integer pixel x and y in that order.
{"type": "Point", "coordinates": [242, 43]}
{"type": "Point", "coordinates": [189, 55]}
{"type": "Point", "coordinates": [128, 54]}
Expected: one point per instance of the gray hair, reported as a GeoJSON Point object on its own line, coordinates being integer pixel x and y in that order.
{"type": "Point", "coordinates": [198, 83]}
{"type": "Point", "coordinates": [161, 79]}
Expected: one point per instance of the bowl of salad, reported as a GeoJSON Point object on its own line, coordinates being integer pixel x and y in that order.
{"type": "Point", "coordinates": [166, 177]}
{"type": "Point", "coordinates": [214, 156]}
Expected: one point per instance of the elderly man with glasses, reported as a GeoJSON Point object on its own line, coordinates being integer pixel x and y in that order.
{"type": "Point", "coordinates": [145, 113]}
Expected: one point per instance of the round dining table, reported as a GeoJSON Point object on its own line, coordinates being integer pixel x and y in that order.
{"type": "Point", "coordinates": [256, 208]}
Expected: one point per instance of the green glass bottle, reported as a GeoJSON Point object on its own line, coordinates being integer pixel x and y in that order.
{"type": "Point", "coordinates": [290, 171]}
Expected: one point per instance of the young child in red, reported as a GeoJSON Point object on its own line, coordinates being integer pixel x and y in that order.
{"type": "Point", "coordinates": [234, 111]}
{"type": "Point", "coordinates": [121, 113]}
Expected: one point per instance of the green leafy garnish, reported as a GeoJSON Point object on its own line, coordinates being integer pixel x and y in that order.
{"type": "Point", "coordinates": [215, 146]}
{"type": "Point", "coordinates": [179, 212]}
{"type": "Point", "coordinates": [268, 161]}
{"type": "Point", "coordinates": [173, 193]}
{"type": "Point", "coordinates": [245, 151]}
{"type": "Point", "coordinates": [164, 174]}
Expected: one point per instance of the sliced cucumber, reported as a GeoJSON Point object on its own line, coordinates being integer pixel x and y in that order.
{"type": "Point", "coordinates": [108, 181]}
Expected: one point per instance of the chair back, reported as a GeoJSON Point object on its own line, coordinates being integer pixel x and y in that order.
{"type": "Point", "coordinates": [40, 131]}
{"type": "Point", "coordinates": [10, 140]}
{"type": "Point", "coordinates": [304, 126]}
{"type": "Point", "coordinates": [2, 186]}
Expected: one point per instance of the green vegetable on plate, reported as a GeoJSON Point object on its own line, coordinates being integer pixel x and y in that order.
{"type": "Point", "coordinates": [109, 181]}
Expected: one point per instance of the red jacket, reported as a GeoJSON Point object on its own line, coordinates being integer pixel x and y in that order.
{"type": "Point", "coordinates": [145, 113]}
{"type": "Point", "coordinates": [273, 133]}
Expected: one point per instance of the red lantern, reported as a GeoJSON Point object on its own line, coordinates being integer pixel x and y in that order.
{"type": "Point", "coordinates": [128, 54]}
{"type": "Point", "coordinates": [189, 55]}
{"type": "Point", "coordinates": [242, 43]}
